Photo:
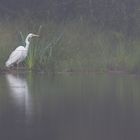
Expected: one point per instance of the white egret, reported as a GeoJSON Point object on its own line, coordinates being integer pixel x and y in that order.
{"type": "Point", "coordinates": [20, 53]}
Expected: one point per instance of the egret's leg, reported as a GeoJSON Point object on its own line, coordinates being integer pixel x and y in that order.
{"type": "Point", "coordinates": [17, 67]}
{"type": "Point", "coordinates": [23, 64]}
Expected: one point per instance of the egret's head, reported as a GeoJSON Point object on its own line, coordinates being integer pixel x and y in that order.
{"type": "Point", "coordinates": [30, 35]}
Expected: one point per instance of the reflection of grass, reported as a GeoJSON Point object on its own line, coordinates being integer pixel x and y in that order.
{"type": "Point", "coordinates": [73, 47]}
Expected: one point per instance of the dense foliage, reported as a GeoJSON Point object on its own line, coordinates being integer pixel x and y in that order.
{"type": "Point", "coordinates": [121, 15]}
{"type": "Point", "coordinates": [87, 35]}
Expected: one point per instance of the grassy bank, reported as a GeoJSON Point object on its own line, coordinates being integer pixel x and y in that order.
{"type": "Point", "coordinates": [73, 46]}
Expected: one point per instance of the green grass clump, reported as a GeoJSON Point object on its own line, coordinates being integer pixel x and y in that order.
{"type": "Point", "coordinates": [73, 46]}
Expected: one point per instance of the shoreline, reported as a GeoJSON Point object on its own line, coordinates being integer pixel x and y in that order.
{"type": "Point", "coordinates": [83, 71]}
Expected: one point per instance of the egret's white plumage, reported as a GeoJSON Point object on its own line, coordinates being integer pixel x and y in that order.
{"type": "Point", "coordinates": [20, 53]}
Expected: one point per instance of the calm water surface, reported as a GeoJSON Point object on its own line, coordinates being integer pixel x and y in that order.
{"type": "Point", "coordinates": [69, 107]}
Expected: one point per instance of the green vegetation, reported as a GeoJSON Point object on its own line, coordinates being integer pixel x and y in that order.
{"type": "Point", "coordinates": [73, 46]}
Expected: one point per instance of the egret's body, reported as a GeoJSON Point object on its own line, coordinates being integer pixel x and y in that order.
{"type": "Point", "coordinates": [20, 53]}
{"type": "Point", "coordinates": [17, 56]}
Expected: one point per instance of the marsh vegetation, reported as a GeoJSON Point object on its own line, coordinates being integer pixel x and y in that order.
{"type": "Point", "coordinates": [73, 46]}
{"type": "Point", "coordinates": [95, 36]}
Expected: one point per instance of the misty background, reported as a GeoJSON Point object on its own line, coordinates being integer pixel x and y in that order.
{"type": "Point", "coordinates": [120, 15]}
{"type": "Point", "coordinates": [87, 34]}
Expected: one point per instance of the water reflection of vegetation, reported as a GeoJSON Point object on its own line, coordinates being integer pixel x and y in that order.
{"type": "Point", "coordinates": [101, 100]}
{"type": "Point", "coordinates": [75, 46]}
{"type": "Point", "coordinates": [92, 87]}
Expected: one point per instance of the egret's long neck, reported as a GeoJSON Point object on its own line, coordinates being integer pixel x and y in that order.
{"type": "Point", "coordinates": [27, 43]}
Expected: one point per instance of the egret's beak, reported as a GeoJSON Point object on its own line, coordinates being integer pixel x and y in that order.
{"type": "Point", "coordinates": [35, 35]}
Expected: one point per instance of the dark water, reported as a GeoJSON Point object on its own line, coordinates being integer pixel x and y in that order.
{"type": "Point", "coordinates": [69, 107]}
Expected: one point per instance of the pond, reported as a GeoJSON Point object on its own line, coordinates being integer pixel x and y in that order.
{"type": "Point", "coordinates": [69, 106]}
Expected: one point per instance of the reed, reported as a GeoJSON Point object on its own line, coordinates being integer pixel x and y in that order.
{"type": "Point", "coordinates": [73, 46]}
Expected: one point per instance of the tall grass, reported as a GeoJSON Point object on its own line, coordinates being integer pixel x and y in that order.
{"type": "Point", "coordinates": [73, 46]}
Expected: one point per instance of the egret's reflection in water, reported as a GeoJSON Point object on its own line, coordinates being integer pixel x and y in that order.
{"type": "Point", "coordinates": [20, 93]}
